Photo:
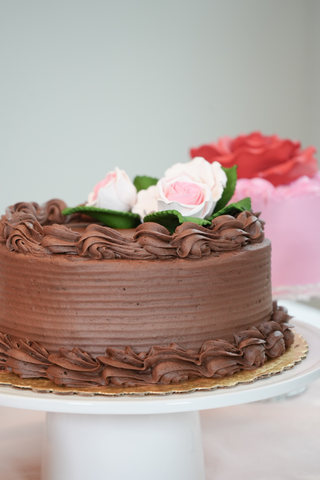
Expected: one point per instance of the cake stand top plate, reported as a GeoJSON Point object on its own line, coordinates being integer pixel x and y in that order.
{"type": "Point", "coordinates": [304, 373]}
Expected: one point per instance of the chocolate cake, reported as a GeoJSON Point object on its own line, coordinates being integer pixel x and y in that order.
{"type": "Point", "coordinates": [84, 304]}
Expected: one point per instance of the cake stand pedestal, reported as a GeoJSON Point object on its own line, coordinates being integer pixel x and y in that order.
{"type": "Point", "coordinates": [149, 437]}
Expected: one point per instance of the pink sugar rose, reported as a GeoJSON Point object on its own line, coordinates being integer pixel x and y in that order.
{"type": "Point", "coordinates": [280, 161]}
{"type": "Point", "coordinates": [200, 171]}
{"type": "Point", "coordinates": [184, 192]}
{"type": "Point", "coordinates": [114, 192]}
{"type": "Point", "coordinates": [192, 189]}
{"type": "Point", "coordinates": [191, 199]}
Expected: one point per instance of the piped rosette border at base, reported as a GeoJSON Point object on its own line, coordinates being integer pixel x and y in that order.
{"type": "Point", "coordinates": [160, 365]}
{"type": "Point", "coordinates": [196, 192]}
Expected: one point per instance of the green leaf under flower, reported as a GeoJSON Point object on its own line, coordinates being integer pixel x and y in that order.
{"type": "Point", "coordinates": [110, 218]}
{"type": "Point", "coordinates": [171, 219]}
{"type": "Point", "coordinates": [144, 182]}
{"type": "Point", "coordinates": [229, 188]}
{"type": "Point", "coordinates": [242, 205]}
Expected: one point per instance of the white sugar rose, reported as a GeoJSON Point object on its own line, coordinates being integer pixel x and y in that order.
{"type": "Point", "coordinates": [192, 188]}
{"type": "Point", "coordinates": [202, 171]}
{"type": "Point", "coordinates": [146, 201]}
{"type": "Point", "coordinates": [115, 192]}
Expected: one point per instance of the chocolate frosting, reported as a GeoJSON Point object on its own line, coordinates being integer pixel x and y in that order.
{"type": "Point", "coordinates": [67, 301]}
{"type": "Point", "coordinates": [5, 345]}
{"type": "Point", "coordinates": [161, 364]}
{"type": "Point", "coordinates": [46, 214]}
{"type": "Point", "coordinates": [22, 233]}
{"type": "Point", "coordinates": [100, 242]}
{"type": "Point", "coordinates": [29, 228]}
{"type": "Point", "coordinates": [32, 356]}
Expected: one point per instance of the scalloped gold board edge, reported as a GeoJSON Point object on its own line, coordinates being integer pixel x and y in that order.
{"type": "Point", "coordinates": [294, 355]}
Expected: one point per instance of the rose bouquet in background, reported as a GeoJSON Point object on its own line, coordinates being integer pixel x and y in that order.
{"type": "Point", "coordinates": [279, 161]}
{"type": "Point", "coordinates": [268, 167]}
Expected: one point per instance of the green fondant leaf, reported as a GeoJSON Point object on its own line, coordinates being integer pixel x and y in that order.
{"type": "Point", "coordinates": [142, 183]}
{"type": "Point", "coordinates": [171, 219]}
{"type": "Point", "coordinates": [229, 189]}
{"type": "Point", "coordinates": [111, 218]}
{"type": "Point", "coordinates": [244, 204]}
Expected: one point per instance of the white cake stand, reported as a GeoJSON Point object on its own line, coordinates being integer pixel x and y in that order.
{"type": "Point", "coordinates": [145, 438]}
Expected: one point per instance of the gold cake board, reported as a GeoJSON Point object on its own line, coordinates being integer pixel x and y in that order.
{"type": "Point", "coordinates": [294, 355]}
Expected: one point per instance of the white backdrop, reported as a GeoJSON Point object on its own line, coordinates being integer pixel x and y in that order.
{"type": "Point", "coordinates": [89, 85]}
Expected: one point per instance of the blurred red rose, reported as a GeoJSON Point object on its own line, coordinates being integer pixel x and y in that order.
{"type": "Point", "coordinates": [269, 157]}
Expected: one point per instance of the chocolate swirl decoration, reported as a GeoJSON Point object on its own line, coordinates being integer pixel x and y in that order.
{"type": "Point", "coordinates": [252, 225]}
{"type": "Point", "coordinates": [28, 228]}
{"type": "Point", "coordinates": [195, 241]}
{"type": "Point", "coordinates": [46, 214]}
{"type": "Point", "coordinates": [5, 346]}
{"type": "Point", "coordinates": [74, 369]}
{"type": "Point", "coordinates": [27, 359]}
{"type": "Point", "coordinates": [160, 365]}
{"type": "Point", "coordinates": [23, 233]}
{"type": "Point", "coordinates": [100, 242]}
{"type": "Point", "coordinates": [156, 240]}
{"type": "Point", "coordinates": [60, 239]}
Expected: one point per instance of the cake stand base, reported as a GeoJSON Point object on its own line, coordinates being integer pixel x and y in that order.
{"type": "Point", "coordinates": [99, 447]}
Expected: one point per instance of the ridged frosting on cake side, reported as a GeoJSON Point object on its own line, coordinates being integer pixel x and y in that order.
{"type": "Point", "coordinates": [63, 301]}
